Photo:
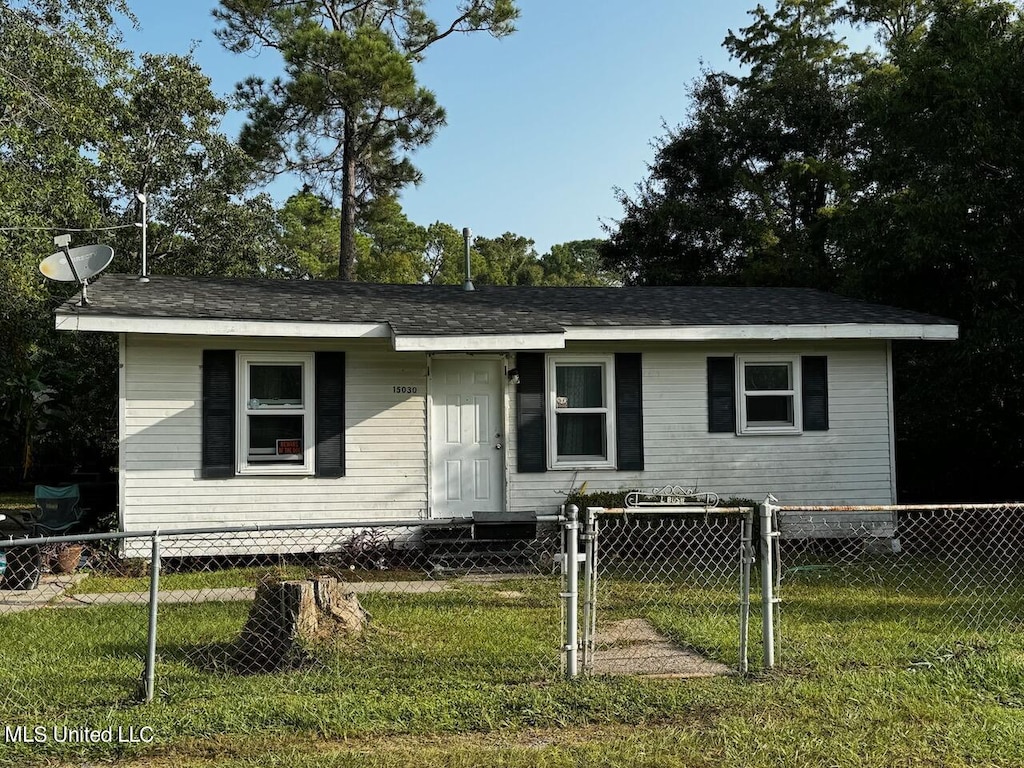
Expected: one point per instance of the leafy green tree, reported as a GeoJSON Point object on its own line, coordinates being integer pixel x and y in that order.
{"type": "Point", "coordinates": [938, 227]}
{"type": "Point", "coordinates": [349, 108]}
{"type": "Point", "coordinates": [445, 255]}
{"type": "Point", "coordinates": [745, 189]}
{"type": "Point", "coordinates": [577, 262]}
{"type": "Point", "coordinates": [395, 246]}
{"type": "Point", "coordinates": [892, 175]}
{"type": "Point", "coordinates": [82, 128]}
{"type": "Point", "coordinates": [309, 225]}
{"type": "Point", "coordinates": [167, 144]}
{"type": "Point", "coordinates": [507, 260]}
{"type": "Point", "coordinates": [58, 61]}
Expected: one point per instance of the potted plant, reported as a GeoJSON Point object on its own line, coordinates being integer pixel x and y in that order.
{"type": "Point", "coordinates": [66, 558]}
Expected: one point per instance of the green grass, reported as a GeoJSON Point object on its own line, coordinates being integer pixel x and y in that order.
{"type": "Point", "coordinates": [469, 677]}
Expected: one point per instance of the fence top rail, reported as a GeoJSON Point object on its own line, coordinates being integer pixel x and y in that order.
{"type": "Point", "coordinates": [25, 541]}
{"type": "Point", "coordinates": [672, 510]}
{"type": "Point", "coordinates": [896, 507]}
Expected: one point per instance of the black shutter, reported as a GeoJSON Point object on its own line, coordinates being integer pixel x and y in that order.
{"type": "Point", "coordinates": [629, 411]}
{"type": "Point", "coordinates": [531, 442]}
{"type": "Point", "coordinates": [721, 394]}
{"type": "Point", "coordinates": [218, 413]}
{"type": "Point", "coordinates": [814, 391]}
{"type": "Point", "coordinates": [329, 415]}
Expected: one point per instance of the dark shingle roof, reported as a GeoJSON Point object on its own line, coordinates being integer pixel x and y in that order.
{"type": "Point", "coordinates": [449, 310]}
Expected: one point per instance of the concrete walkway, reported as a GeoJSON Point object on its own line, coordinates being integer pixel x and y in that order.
{"type": "Point", "coordinates": [52, 592]}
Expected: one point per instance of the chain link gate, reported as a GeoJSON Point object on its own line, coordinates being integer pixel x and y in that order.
{"type": "Point", "coordinates": [665, 587]}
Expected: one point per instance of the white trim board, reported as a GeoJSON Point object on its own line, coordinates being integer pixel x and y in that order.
{"type": "Point", "coordinates": [821, 331]}
{"type": "Point", "coordinates": [499, 342]}
{"type": "Point", "coordinates": [481, 343]}
{"type": "Point", "coordinates": [201, 326]}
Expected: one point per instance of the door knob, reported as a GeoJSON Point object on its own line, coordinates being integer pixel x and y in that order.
{"type": "Point", "coordinates": [497, 446]}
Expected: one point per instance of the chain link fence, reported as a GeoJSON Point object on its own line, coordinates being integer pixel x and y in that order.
{"type": "Point", "coordinates": [352, 609]}
{"type": "Point", "coordinates": [273, 612]}
{"type": "Point", "coordinates": [901, 585]}
{"type": "Point", "coordinates": [670, 591]}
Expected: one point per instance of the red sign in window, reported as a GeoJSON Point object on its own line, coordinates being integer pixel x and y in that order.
{"type": "Point", "coordinates": [289, 447]}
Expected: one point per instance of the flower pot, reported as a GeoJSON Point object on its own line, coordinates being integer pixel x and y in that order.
{"type": "Point", "coordinates": [66, 558]}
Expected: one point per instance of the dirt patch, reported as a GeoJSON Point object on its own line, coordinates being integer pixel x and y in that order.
{"type": "Point", "coordinates": [635, 647]}
{"type": "Point", "coordinates": [510, 594]}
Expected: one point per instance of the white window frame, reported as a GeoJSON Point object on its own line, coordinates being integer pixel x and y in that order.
{"type": "Point", "coordinates": [242, 361]}
{"type": "Point", "coordinates": [743, 426]}
{"type": "Point", "coordinates": [608, 364]}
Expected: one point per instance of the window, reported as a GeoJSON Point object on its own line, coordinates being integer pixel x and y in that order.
{"type": "Point", "coordinates": [275, 416]}
{"type": "Point", "coordinates": [769, 395]}
{"type": "Point", "coordinates": [581, 423]}
{"type": "Point", "coordinates": [621, 404]}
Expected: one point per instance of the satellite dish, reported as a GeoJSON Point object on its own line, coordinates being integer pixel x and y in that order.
{"type": "Point", "coordinates": [75, 265]}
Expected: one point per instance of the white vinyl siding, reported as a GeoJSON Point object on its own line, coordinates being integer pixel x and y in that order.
{"type": "Point", "coordinates": [850, 463]}
{"type": "Point", "coordinates": [386, 457]}
{"type": "Point", "coordinates": [385, 441]}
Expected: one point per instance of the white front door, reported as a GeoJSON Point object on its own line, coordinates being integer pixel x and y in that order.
{"type": "Point", "coordinates": [467, 440]}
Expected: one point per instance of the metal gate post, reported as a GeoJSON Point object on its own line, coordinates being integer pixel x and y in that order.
{"type": "Point", "coordinates": [746, 560]}
{"type": "Point", "coordinates": [154, 591]}
{"type": "Point", "coordinates": [767, 583]}
{"type": "Point", "coordinates": [570, 561]}
{"type": "Point", "coordinates": [572, 565]}
{"type": "Point", "coordinates": [589, 584]}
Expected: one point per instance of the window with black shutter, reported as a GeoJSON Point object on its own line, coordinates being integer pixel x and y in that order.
{"type": "Point", "coordinates": [767, 394]}
{"type": "Point", "coordinates": [579, 412]}
{"type": "Point", "coordinates": [273, 413]}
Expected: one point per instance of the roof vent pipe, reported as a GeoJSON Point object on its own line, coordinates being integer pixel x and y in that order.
{"type": "Point", "coordinates": [467, 236]}
{"type": "Point", "coordinates": [141, 197]}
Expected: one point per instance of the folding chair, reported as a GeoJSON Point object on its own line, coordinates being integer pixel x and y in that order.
{"type": "Point", "coordinates": [57, 509]}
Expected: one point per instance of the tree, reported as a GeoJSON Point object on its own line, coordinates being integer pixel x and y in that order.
{"type": "Point", "coordinates": [445, 255]}
{"type": "Point", "coordinates": [507, 260]}
{"type": "Point", "coordinates": [309, 226]}
{"type": "Point", "coordinates": [82, 128]}
{"type": "Point", "coordinates": [349, 109]}
{"type": "Point", "coordinates": [167, 144]}
{"type": "Point", "coordinates": [745, 189]}
{"type": "Point", "coordinates": [577, 262]}
{"type": "Point", "coordinates": [57, 64]}
{"type": "Point", "coordinates": [938, 227]}
{"type": "Point", "coordinates": [394, 246]}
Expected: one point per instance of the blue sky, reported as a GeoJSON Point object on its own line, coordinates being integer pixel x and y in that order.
{"type": "Point", "coordinates": [542, 125]}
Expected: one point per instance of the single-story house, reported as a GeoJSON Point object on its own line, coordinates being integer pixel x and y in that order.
{"type": "Point", "coordinates": [276, 401]}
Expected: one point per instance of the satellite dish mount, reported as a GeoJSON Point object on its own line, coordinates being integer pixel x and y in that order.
{"type": "Point", "coordinates": [76, 265]}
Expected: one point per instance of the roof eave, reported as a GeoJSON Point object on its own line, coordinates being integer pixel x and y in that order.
{"type": "Point", "coordinates": [402, 342]}
{"type": "Point", "coordinates": [204, 326]}
{"type": "Point", "coordinates": [810, 332]}
{"type": "Point", "coordinates": [496, 342]}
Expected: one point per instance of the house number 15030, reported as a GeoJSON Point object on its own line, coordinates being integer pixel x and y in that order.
{"type": "Point", "coordinates": [405, 390]}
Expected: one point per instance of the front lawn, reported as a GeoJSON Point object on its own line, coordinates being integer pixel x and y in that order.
{"type": "Point", "coordinates": [470, 676]}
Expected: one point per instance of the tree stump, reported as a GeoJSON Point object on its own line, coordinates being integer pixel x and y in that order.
{"type": "Point", "coordinates": [287, 617]}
